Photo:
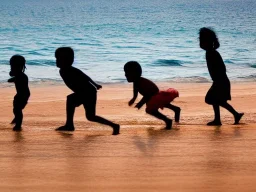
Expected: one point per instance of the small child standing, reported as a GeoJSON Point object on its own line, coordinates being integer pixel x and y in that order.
{"type": "Point", "coordinates": [84, 88]}
{"type": "Point", "coordinates": [20, 79]}
{"type": "Point", "coordinates": [152, 97]}
{"type": "Point", "coordinates": [219, 93]}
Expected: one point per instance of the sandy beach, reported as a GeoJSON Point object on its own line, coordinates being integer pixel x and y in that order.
{"type": "Point", "coordinates": [144, 157]}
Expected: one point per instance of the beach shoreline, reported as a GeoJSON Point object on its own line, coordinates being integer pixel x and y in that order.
{"type": "Point", "coordinates": [113, 98]}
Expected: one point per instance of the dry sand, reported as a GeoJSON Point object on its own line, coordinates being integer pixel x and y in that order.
{"type": "Point", "coordinates": [144, 157]}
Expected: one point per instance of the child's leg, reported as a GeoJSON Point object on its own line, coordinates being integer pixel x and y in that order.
{"type": "Point", "coordinates": [216, 120]}
{"type": "Point", "coordinates": [70, 110]}
{"type": "Point", "coordinates": [18, 118]}
{"type": "Point", "coordinates": [13, 121]}
{"type": "Point", "coordinates": [237, 115]}
{"type": "Point", "coordinates": [18, 106]}
{"type": "Point", "coordinates": [71, 104]}
{"type": "Point", "coordinates": [176, 111]}
{"type": "Point", "coordinates": [90, 108]}
{"type": "Point", "coordinates": [159, 115]}
{"type": "Point", "coordinates": [14, 106]}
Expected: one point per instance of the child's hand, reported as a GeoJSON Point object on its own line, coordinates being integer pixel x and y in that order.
{"type": "Point", "coordinates": [131, 102]}
{"type": "Point", "coordinates": [138, 106]}
{"type": "Point", "coordinates": [98, 87]}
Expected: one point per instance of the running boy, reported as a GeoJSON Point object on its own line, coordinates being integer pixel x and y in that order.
{"type": "Point", "coordinates": [84, 88]}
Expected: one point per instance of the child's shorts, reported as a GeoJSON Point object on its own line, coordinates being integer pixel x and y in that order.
{"type": "Point", "coordinates": [161, 99]}
{"type": "Point", "coordinates": [89, 100]}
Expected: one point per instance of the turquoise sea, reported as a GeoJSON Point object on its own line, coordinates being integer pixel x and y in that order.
{"type": "Point", "coordinates": [162, 35]}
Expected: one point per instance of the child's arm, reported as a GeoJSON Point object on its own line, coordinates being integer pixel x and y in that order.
{"type": "Point", "coordinates": [92, 82]}
{"type": "Point", "coordinates": [141, 102]}
{"type": "Point", "coordinates": [135, 94]}
{"type": "Point", "coordinates": [96, 85]}
{"type": "Point", "coordinates": [11, 80]}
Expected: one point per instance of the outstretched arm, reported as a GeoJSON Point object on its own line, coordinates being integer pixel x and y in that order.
{"type": "Point", "coordinates": [135, 94]}
{"type": "Point", "coordinates": [11, 80]}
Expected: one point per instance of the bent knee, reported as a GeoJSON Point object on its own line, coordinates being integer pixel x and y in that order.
{"type": "Point", "coordinates": [90, 117]}
{"type": "Point", "coordinates": [73, 100]}
{"type": "Point", "coordinates": [17, 111]}
{"type": "Point", "coordinates": [17, 108]}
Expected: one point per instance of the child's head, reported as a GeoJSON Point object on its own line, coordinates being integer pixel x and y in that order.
{"type": "Point", "coordinates": [132, 71]}
{"type": "Point", "coordinates": [208, 39]}
{"type": "Point", "coordinates": [17, 63]}
{"type": "Point", "coordinates": [64, 57]}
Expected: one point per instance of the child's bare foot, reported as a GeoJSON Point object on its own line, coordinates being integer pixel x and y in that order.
{"type": "Point", "coordinates": [168, 124]}
{"type": "Point", "coordinates": [238, 117]}
{"type": "Point", "coordinates": [16, 128]}
{"type": "Point", "coordinates": [13, 121]}
{"type": "Point", "coordinates": [177, 115]}
{"type": "Point", "coordinates": [65, 128]}
{"type": "Point", "coordinates": [116, 129]}
{"type": "Point", "coordinates": [214, 123]}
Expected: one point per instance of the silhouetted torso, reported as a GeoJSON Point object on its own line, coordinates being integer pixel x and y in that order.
{"type": "Point", "coordinates": [146, 87]}
{"type": "Point", "coordinates": [216, 66]}
{"type": "Point", "coordinates": [21, 84]}
{"type": "Point", "coordinates": [77, 81]}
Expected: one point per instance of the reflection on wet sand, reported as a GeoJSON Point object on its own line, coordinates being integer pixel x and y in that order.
{"type": "Point", "coordinates": [189, 159]}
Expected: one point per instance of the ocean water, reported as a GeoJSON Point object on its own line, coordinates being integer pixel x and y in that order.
{"type": "Point", "coordinates": [162, 35]}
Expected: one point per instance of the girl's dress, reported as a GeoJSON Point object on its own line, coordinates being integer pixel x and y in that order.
{"type": "Point", "coordinates": [220, 89]}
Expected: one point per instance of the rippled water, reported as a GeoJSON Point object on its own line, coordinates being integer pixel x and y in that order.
{"type": "Point", "coordinates": [161, 34]}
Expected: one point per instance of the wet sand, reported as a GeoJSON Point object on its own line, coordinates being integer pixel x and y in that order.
{"type": "Point", "coordinates": [144, 157]}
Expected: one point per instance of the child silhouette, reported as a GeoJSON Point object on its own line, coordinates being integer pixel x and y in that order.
{"type": "Point", "coordinates": [20, 79]}
{"type": "Point", "coordinates": [84, 88]}
{"type": "Point", "coordinates": [219, 93]}
{"type": "Point", "coordinates": [152, 97]}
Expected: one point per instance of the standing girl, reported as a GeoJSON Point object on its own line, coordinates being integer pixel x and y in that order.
{"type": "Point", "coordinates": [219, 93]}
